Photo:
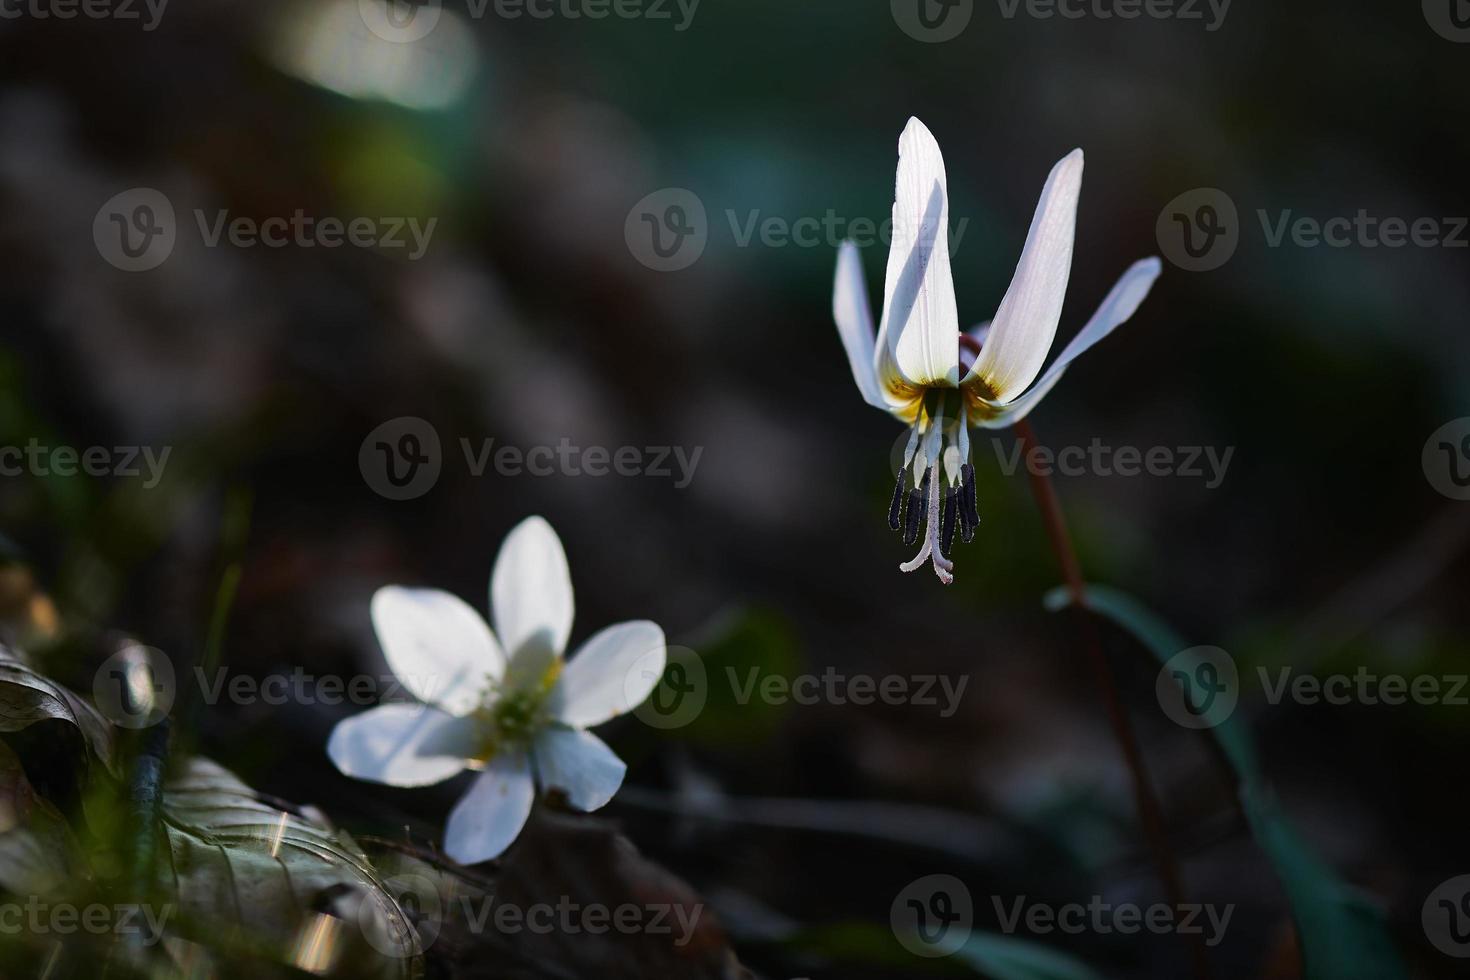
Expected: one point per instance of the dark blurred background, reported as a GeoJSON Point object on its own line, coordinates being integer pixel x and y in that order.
{"type": "Point", "coordinates": [533, 316]}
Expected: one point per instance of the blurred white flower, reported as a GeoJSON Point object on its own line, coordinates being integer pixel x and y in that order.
{"type": "Point", "coordinates": [509, 708]}
{"type": "Point", "coordinates": [914, 369]}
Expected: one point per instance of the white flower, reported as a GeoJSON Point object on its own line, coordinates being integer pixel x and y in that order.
{"type": "Point", "coordinates": [509, 708]}
{"type": "Point", "coordinates": [915, 371]}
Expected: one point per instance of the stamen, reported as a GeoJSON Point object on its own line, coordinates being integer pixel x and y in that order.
{"type": "Point", "coordinates": [913, 517]}
{"type": "Point", "coordinates": [969, 500]}
{"type": "Point", "coordinates": [895, 507]}
{"type": "Point", "coordinates": [913, 513]}
{"type": "Point", "coordinates": [946, 523]}
{"type": "Point", "coordinates": [943, 567]}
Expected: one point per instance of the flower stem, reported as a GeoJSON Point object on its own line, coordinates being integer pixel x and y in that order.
{"type": "Point", "coordinates": [1149, 811]}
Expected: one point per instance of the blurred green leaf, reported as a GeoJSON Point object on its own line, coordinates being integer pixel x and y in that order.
{"type": "Point", "coordinates": [1343, 935]}
{"type": "Point", "coordinates": [737, 655]}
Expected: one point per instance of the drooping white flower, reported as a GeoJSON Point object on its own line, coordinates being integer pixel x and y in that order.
{"type": "Point", "coordinates": [509, 708]}
{"type": "Point", "coordinates": [914, 369]}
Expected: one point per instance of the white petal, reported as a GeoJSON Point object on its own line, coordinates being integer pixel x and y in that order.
{"type": "Point", "coordinates": [439, 647]}
{"type": "Point", "coordinates": [1121, 303]}
{"type": "Point", "coordinates": [855, 323]}
{"type": "Point", "coordinates": [919, 334]}
{"type": "Point", "coordinates": [612, 673]}
{"type": "Point", "coordinates": [401, 745]}
{"type": "Point", "coordinates": [490, 816]}
{"type": "Point", "coordinates": [1026, 322]}
{"type": "Point", "coordinates": [531, 590]}
{"type": "Point", "coordinates": [580, 764]}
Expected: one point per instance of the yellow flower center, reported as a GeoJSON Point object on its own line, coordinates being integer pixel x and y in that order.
{"type": "Point", "coordinates": [510, 713]}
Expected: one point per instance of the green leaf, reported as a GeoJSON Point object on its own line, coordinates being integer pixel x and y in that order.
{"type": "Point", "coordinates": [36, 843]}
{"type": "Point", "coordinates": [27, 698]}
{"type": "Point", "coordinates": [278, 882]}
{"type": "Point", "coordinates": [1343, 934]}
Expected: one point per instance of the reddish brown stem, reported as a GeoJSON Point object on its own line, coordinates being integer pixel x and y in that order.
{"type": "Point", "coordinates": [1149, 811]}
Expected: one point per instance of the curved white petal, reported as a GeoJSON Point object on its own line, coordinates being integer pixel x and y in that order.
{"type": "Point", "coordinates": [401, 745]}
{"type": "Point", "coordinates": [855, 323]}
{"type": "Point", "coordinates": [1026, 322]}
{"type": "Point", "coordinates": [489, 817]}
{"type": "Point", "coordinates": [439, 647]}
{"type": "Point", "coordinates": [918, 339]}
{"type": "Point", "coordinates": [612, 673]}
{"type": "Point", "coordinates": [580, 764]}
{"type": "Point", "coordinates": [531, 590]}
{"type": "Point", "coordinates": [1120, 304]}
